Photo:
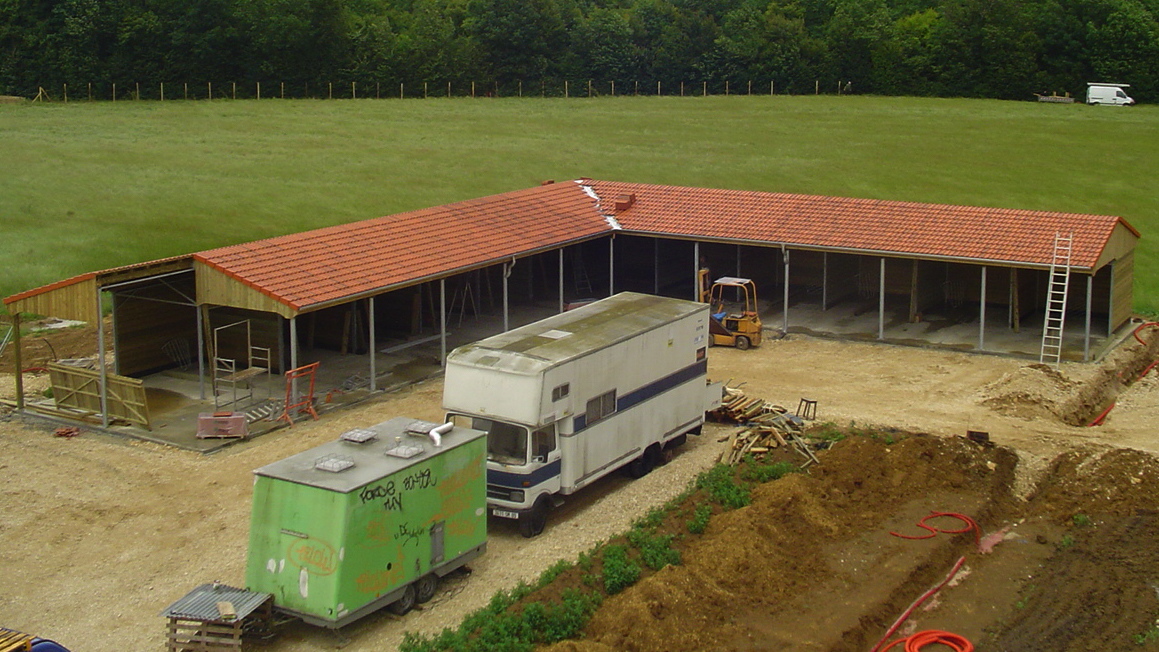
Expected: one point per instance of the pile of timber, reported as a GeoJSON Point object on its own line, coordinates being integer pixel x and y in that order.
{"type": "Point", "coordinates": [766, 426]}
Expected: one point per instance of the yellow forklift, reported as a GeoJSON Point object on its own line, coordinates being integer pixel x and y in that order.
{"type": "Point", "coordinates": [734, 323]}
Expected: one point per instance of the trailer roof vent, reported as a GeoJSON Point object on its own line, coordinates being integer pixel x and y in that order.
{"type": "Point", "coordinates": [405, 451]}
{"type": "Point", "coordinates": [333, 463]}
{"type": "Point", "coordinates": [554, 334]}
{"type": "Point", "coordinates": [358, 435]}
{"type": "Point", "coordinates": [420, 428]}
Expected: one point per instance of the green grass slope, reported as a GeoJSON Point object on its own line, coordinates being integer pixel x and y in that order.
{"type": "Point", "coordinates": [87, 186]}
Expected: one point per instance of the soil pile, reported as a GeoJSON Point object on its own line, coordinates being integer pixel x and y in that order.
{"type": "Point", "coordinates": [811, 564]}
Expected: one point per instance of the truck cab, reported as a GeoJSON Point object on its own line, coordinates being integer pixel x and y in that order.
{"type": "Point", "coordinates": [523, 469]}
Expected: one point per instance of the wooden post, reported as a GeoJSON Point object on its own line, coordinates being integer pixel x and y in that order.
{"type": "Point", "coordinates": [354, 90]}
{"type": "Point", "coordinates": [881, 302]}
{"type": "Point", "coordinates": [982, 313]}
{"type": "Point", "coordinates": [114, 91]}
{"type": "Point", "coordinates": [448, 89]}
{"type": "Point", "coordinates": [162, 91]}
{"type": "Point", "coordinates": [705, 91]}
{"type": "Point", "coordinates": [637, 87]}
{"type": "Point", "coordinates": [750, 87]}
{"type": "Point", "coordinates": [104, 370]}
{"type": "Point", "coordinates": [210, 84]}
{"type": "Point", "coordinates": [565, 88]}
{"type": "Point", "coordinates": [520, 88]}
{"type": "Point", "coordinates": [372, 345]}
{"type": "Point", "coordinates": [657, 89]}
{"type": "Point", "coordinates": [725, 87]}
{"type": "Point", "coordinates": [234, 93]}
{"type": "Point", "coordinates": [772, 88]}
{"type": "Point", "coordinates": [400, 91]}
{"type": "Point", "coordinates": [18, 361]}
{"type": "Point", "coordinates": [259, 84]}
{"type": "Point", "coordinates": [816, 87]}
{"type": "Point", "coordinates": [424, 90]}
{"type": "Point", "coordinates": [90, 91]}
{"type": "Point", "coordinates": [589, 88]}
{"type": "Point", "coordinates": [1015, 310]}
{"type": "Point", "coordinates": [138, 91]}
{"type": "Point", "coordinates": [283, 85]}
{"type": "Point", "coordinates": [186, 85]}
{"type": "Point", "coordinates": [913, 294]}
{"type": "Point", "coordinates": [66, 93]}
{"type": "Point", "coordinates": [329, 96]}
{"type": "Point", "coordinates": [613, 88]}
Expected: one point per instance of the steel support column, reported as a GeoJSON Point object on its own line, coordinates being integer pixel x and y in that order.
{"type": "Point", "coordinates": [373, 345]}
{"type": "Point", "coordinates": [982, 313]}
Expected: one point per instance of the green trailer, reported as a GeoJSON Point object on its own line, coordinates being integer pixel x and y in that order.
{"type": "Point", "coordinates": [370, 520]}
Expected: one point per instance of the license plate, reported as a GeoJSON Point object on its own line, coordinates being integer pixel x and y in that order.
{"type": "Point", "coordinates": [502, 513]}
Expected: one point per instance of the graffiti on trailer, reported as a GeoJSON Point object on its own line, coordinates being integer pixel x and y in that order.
{"type": "Point", "coordinates": [314, 555]}
{"type": "Point", "coordinates": [405, 532]}
{"type": "Point", "coordinates": [420, 480]}
{"type": "Point", "coordinates": [391, 500]}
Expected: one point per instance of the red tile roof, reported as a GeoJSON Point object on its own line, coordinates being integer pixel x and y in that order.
{"type": "Point", "coordinates": [869, 225]}
{"type": "Point", "coordinates": [336, 263]}
{"type": "Point", "coordinates": [331, 264]}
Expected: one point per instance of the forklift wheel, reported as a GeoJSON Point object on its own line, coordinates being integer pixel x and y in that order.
{"type": "Point", "coordinates": [742, 342]}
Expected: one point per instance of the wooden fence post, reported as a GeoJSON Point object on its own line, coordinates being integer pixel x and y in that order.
{"type": "Point", "coordinates": [210, 84]}
{"type": "Point", "coordinates": [186, 84]}
{"type": "Point", "coordinates": [114, 91]}
{"type": "Point", "coordinates": [330, 90]}
{"type": "Point", "coordinates": [400, 90]}
{"type": "Point", "coordinates": [234, 90]}
{"type": "Point", "coordinates": [613, 88]}
{"type": "Point", "coordinates": [681, 89]}
{"type": "Point", "coordinates": [66, 93]}
{"type": "Point", "coordinates": [520, 88]}
{"type": "Point", "coordinates": [472, 90]}
{"type": "Point", "coordinates": [354, 90]}
{"type": "Point", "coordinates": [283, 85]}
{"type": "Point", "coordinates": [565, 91]}
{"type": "Point", "coordinates": [657, 88]}
{"type": "Point", "coordinates": [424, 90]}
{"type": "Point", "coordinates": [90, 91]}
{"type": "Point", "coordinates": [138, 91]}
{"type": "Point", "coordinates": [162, 91]}
{"type": "Point", "coordinates": [705, 91]}
{"type": "Point", "coordinates": [259, 85]}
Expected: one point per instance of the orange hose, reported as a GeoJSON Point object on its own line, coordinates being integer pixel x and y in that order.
{"type": "Point", "coordinates": [1141, 327]}
{"type": "Point", "coordinates": [1102, 415]}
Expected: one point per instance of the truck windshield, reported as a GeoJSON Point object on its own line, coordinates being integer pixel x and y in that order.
{"type": "Point", "coordinates": [506, 442]}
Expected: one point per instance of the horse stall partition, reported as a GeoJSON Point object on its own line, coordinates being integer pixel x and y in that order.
{"type": "Point", "coordinates": [80, 389]}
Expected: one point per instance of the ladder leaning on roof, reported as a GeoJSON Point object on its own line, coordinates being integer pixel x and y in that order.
{"type": "Point", "coordinates": [1056, 291]}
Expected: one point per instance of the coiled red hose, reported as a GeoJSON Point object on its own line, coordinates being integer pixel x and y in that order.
{"type": "Point", "coordinates": [970, 525]}
{"type": "Point", "coordinates": [915, 642]}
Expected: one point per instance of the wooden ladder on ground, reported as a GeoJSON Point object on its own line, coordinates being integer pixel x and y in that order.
{"type": "Point", "coordinates": [1056, 292]}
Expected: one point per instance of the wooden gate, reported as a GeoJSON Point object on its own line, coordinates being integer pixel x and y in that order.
{"type": "Point", "coordinates": [80, 389]}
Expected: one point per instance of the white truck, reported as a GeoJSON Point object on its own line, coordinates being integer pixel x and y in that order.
{"type": "Point", "coordinates": [1110, 94]}
{"type": "Point", "coordinates": [567, 400]}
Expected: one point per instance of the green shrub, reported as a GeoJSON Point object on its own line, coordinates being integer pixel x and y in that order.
{"type": "Point", "coordinates": [722, 487]}
{"type": "Point", "coordinates": [760, 472]}
{"type": "Point", "coordinates": [551, 572]}
{"type": "Point", "coordinates": [1082, 520]}
{"type": "Point", "coordinates": [699, 521]}
{"type": "Point", "coordinates": [558, 622]}
{"type": "Point", "coordinates": [656, 550]}
{"type": "Point", "coordinates": [620, 571]}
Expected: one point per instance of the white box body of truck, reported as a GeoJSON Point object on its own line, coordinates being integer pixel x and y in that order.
{"type": "Point", "coordinates": [1108, 94]}
{"type": "Point", "coordinates": [573, 397]}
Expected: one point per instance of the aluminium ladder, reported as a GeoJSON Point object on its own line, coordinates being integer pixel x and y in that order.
{"type": "Point", "coordinates": [1056, 292]}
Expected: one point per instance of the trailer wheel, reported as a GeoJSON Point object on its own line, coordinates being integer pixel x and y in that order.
{"type": "Point", "coordinates": [743, 342]}
{"type": "Point", "coordinates": [405, 603]}
{"type": "Point", "coordinates": [425, 588]}
{"type": "Point", "coordinates": [643, 465]}
{"type": "Point", "coordinates": [532, 522]}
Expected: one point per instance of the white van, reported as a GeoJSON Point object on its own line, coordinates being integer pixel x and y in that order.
{"type": "Point", "coordinates": [1110, 94]}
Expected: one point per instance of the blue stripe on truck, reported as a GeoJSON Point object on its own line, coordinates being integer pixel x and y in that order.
{"type": "Point", "coordinates": [516, 480]}
{"type": "Point", "coordinates": [651, 390]}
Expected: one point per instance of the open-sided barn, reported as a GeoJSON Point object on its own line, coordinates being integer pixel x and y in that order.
{"type": "Point", "coordinates": [968, 277]}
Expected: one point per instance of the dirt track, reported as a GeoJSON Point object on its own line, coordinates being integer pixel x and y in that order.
{"type": "Point", "coordinates": [100, 534]}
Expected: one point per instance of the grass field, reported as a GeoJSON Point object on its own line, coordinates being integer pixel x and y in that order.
{"type": "Point", "coordinates": [90, 186]}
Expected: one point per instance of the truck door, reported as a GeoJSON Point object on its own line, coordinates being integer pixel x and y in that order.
{"type": "Point", "coordinates": [545, 456]}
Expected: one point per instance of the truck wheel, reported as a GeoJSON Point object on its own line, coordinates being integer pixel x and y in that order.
{"type": "Point", "coordinates": [531, 523]}
{"type": "Point", "coordinates": [425, 588]}
{"type": "Point", "coordinates": [742, 342]}
{"type": "Point", "coordinates": [643, 465]}
{"type": "Point", "coordinates": [405, 603]}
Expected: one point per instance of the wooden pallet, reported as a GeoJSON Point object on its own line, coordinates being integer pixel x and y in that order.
{"type": "Point", "coordinates": [11, 641]}
{"type": "Point", "coordinates": [191, 635]}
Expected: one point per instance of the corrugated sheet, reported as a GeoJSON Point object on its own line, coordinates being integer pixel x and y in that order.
{"type": "Point", "coordinates": [201, 602]}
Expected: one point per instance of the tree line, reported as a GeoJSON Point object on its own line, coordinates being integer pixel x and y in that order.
{"type": "Point", "coordinates": [1005, 49]}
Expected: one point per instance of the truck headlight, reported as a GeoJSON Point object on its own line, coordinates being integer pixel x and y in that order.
{"type": "Point", "coordinates": [516, 495]}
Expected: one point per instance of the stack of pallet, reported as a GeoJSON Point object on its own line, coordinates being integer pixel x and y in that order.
{"type": "Point", "coordinates": [738, 407]}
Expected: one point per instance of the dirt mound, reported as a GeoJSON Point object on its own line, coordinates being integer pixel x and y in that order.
{"type": "Point", "coordinates": [756, 562]}
{"type": "Point", "coordinates": [811, 564]}
{"type": "Point", "coordinates": [1035, 391]}
{"type": "Point", "coordinates": [1038, 391]}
